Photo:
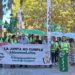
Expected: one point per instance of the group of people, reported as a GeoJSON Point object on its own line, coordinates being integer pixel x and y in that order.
{"type": "Point", "coordinates": [58, 44]}
{"type": "Point", "coordinates": [23, 39]}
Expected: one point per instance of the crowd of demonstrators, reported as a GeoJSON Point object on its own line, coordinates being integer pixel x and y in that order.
{"type": "Point", "coordinates": [23, 39]}
{"type": "Point", "coordinates": [58, 45]}
{"type": "Point", "coordinates": [72, 51]}
{"type": "Point", "coordinates": [54, 49]}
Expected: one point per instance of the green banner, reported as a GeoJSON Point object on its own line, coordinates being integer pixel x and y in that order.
{"type": "Point", "coordinates": [52, 27]}
{"type": "Point", "coordinates": [63, 29]}
{"type": "Point", "coordinates": [34, 31]}
{"type": "Point", "coordinates": [45, 23]}
{"type": "Point", "coordinates": [63, 61]}
{"type": "Point", "coordinates": [57, 28]}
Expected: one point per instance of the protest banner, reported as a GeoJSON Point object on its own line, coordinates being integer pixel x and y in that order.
{"type": "Point", "coordinates": [25, 54]}
{"type": "Point", "coordinates": [63, 61]}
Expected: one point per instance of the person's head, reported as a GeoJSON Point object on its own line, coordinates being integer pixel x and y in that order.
{"type": "Point", "coordinates": [54, 38]}
{"type": "Point", "coordinates": [32, 36]}
{"type": "Point", "coordinates": [59, 39]}
{"type": "Point", "coordinates": [5, 34]}
{"type": "Point", "coordinates": [19, 37]}
{"type": "Point", "coordinates": [29, 36]}
{"type": "Point", "coordinates": [13, 37]}
{"type": "Point", "coordinates": [45, 37]}
{"type": "Point", "coordinates": [63, 38]}
{"type": "Point", "coordinates": [67, 39]}
{"type": "Point", "coordinates": [37, 37]}
{"type": "Point", "coordinates": [71, 40]}
{"type": "Point", "coordinates": [23, 36]}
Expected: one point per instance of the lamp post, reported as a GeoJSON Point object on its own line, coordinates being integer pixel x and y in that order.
{"type": "Point", "coordinates": [48, 20]}
{"type": "Point", "coordinates": [19, 15]}
{"type": "Point", "coordinates": [49, 23]}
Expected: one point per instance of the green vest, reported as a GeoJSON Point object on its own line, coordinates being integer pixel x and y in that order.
{"type": "Point", "coordinates": [65, 46]}
{"type": "Point", "coordinates": [1, 40]}
{"type": "Point", "coordinates": [6, 40]}
{"type": "Point", "coordinates": [30, 40]}
{"type": "Point", "coordinates": [13, 41]}
{"type": "Point", "coordinates": [54, 46]}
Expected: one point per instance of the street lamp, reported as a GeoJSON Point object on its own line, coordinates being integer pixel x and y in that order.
{"type": "Point", "coordinates": [19, 16]}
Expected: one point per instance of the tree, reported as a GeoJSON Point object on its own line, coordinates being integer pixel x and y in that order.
{"type": "Point", "coordinates": [63, 13]}
{"type": "Point", "coordinates": [15, 7]}
{"type": "Point", "coordinates": [34, 13]}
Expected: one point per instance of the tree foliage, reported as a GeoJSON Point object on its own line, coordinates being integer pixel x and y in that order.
{"type": "Point", "coordinates": [34, 13]}
{"type": "Point", "coordinates": [63, 13]}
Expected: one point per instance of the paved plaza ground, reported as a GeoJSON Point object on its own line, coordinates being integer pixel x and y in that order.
{"type": "Point", "coordinates": [36, 71]}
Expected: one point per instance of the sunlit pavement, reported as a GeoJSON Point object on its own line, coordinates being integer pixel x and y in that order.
{"type": "Point", "coordinates": [36, 71]}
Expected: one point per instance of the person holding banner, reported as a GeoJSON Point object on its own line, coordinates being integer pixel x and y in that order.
{"type": "Point", "coordinates": [72, 52]}
{"type": "Point", "coordinates": [65, 45]}
{"type": "Point", "coordinates": [63, 55]}
{"type": "Point", "coordinates": [13, 40]}
{"type": "Point", "coordinates": [44, 40]}
{"type": "Point", "coordinates": [5, 38]}
{"type": "Point", "coordinates": [54, 47]}
{"type": "Point", "coordinates": [37, 41]}
{"type": "Point", "coordinates": [30, 38]}
{"type": "Point", "coordinates": [24, 40]}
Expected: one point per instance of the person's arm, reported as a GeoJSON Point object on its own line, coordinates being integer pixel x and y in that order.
{"type": "Point", "coordinates": [59, 46]}
{"type": "Point", "coordinates": [70, 48]}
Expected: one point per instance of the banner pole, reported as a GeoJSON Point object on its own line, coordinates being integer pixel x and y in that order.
{"type": "Point", "coordinates": [20, 17]}
{"type": "Point", "coordinates": [48, 20]}
{"type": "Point", "coordinates": [48, 23]}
